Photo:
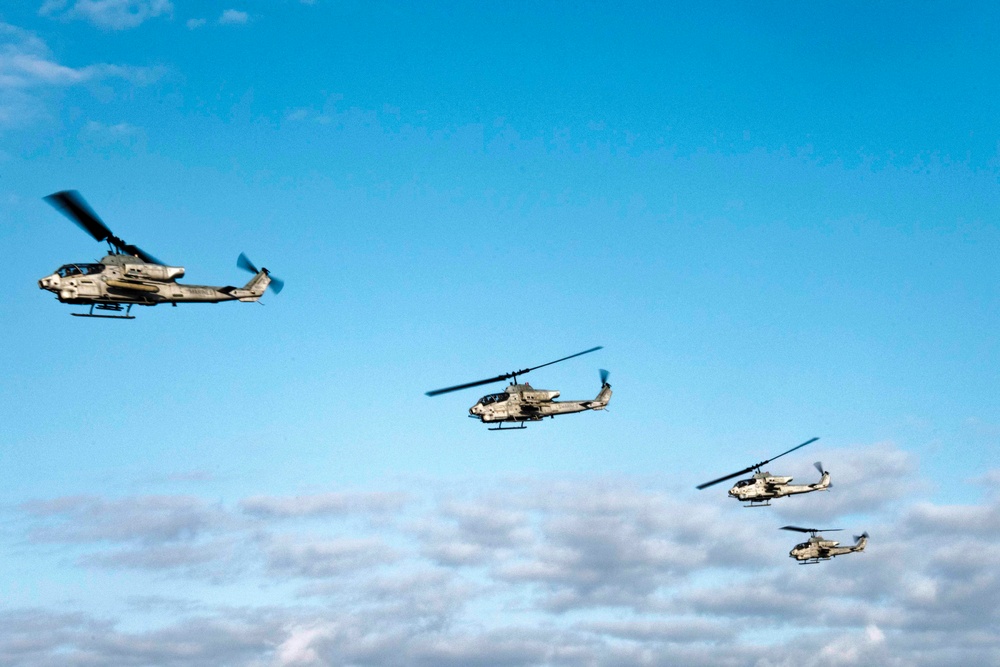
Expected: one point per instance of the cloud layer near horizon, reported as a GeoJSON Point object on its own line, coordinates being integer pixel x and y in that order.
{"type": "Point", "coordinates": [589, 572]}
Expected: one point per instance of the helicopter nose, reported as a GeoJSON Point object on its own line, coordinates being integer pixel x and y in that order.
{"type": "Point", "coordinates": [48, 282]}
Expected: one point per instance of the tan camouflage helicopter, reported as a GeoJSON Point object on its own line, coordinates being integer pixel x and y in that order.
{"type": "Point", "coordinates": [520, 403]}
{"type": "Point", "coordinates": [763, 486]}
{"type": "Point", "coordinates": [818, 548]}
{"type": "Point", "coordinates": [129, 276]}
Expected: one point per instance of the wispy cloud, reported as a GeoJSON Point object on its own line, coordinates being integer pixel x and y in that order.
{"type": "Point", "coordinates": [146, 519]}
{"type": "Point", "coordinates": [108, 14]}
{"type": "Point", "coordinates": [233, 17]}
{"type": "Point", "coordinates": [117, 133]}
{"type": "Point", "coordinates": [323, 504]}
{"type": "Point", "coordinates": [28, 69]}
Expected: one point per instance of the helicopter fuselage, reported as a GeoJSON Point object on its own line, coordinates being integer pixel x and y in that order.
{"type": "Point", "coordinates": [818, 548]}
{"type": "Point", "coordinates": [125, 280]}
{"type": "Point", "coordinates": [524, 403]}
{"type": "Point", "coordinates": [764, 486]}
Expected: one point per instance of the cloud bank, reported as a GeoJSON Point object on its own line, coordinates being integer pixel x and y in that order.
{"type": "Point", "coordinates": [528, 572]}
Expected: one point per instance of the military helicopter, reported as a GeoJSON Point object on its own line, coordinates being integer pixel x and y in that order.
{"type": "Point", "coordinates": [763, 486]}
{"type": "Point", "coordinates": [817, 548]}
{"type": "Point", "coordinates": [129, 276]}
{"type": "Point", "coordinates": [521, 403]}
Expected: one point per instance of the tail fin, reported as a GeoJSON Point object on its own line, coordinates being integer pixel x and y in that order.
{"type": "Point", "coordinates": [824, 480]}
{"type": "Point", "coordinates": [254, 289]}
{"type": "Point", "coordinates": [861, 543]}
{"type": "Point", "coordinates": [823, 483]}
{"type": "Point", "coordinates": [603, 398]}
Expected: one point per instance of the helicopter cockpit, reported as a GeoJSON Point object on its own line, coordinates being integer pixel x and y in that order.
{"type": "Point", "coordinates": [493, 398]}
{"type": "Point", "coordinates": [745, 482]}
{"type": "Point", "coordinates": [68, 270]}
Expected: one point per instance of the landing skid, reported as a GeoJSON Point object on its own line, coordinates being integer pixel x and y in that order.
{"type": "Point", "coordinates": [766, 503]}
{"type": "Point", "coordinates": [500, 427]}
{"type": "Point", "coordinates": [110, 306]}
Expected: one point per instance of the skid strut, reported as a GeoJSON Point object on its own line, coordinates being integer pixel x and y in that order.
{"type": "Point", "coordinates": [116, 307]}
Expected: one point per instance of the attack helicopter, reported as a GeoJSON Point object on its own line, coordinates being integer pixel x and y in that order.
{"type": "Point", "coordinates": [763, 486]}
{"type": "Point", "coordinates": [818, 548]}
{"type": "Point", "coordinates": [128, 276]}
{"type": "Point", "coordinates": [520, 403]}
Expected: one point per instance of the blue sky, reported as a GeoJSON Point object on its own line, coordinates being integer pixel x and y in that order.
{"type": "Point", "coordinates": [778, 219]}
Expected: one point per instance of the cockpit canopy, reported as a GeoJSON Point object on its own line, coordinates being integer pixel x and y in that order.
{"type": "Point", "coordinates": [67, 270]}
{"type": "Point", "coordinates": [493, 398]}
{"type": "Point", "coordinates": [802, 545]}
{"type": "Point", "coordinates": [745, 482]}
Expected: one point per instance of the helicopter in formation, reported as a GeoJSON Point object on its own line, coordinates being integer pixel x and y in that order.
{"type": "Point", "coordinates": [818, 548]}
{"type": "Point", "coordinates": [520, 403]}
{"type": "Point", "coordinates": [759, 490]}
{"type": "Point", "coordinates": [128, 276]}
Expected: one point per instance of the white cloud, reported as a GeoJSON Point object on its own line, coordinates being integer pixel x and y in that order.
{"type": "Point", "coordinates": [297, 648]}
{"type": "Point", "coordinates": [195, 23]}
{"type": "Point", "coordinates": [108, 14]}
{"type": "Point", "coordinates": [876, 476]}
{"type": "Point", "coordinates": [233, 17]}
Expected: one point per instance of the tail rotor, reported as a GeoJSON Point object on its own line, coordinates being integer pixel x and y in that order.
{"type": "Point", "coordinates": [604, 377]}
{"type": "Point", "coordinates": [244, 263]}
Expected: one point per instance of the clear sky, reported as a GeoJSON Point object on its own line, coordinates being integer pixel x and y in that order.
{"type": "Point", "coordinates": [779, 219]}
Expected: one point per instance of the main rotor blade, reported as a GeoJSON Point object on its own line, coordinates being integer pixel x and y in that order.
{"type": "Point", "coordinates": [799, 530]}
{"type": "Point", "coordinates": [723, 479]}
{"type": "Point", "coordinates": [506, 376]}
{"type": "Point", "coordinates": [136, 251]}
{"type": "Point", "coordinates": [807, 442]}
{"type": "Point", "coordinates": [754, 467]}
{"type": "Point", "coordinates": [499, 378]}
{"type": "Point", "coordinates": [811, 530]}
{"type": "Point", "coordinates": [71, 204]}
{"type": "Point", "coordinates": [593, 349]}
